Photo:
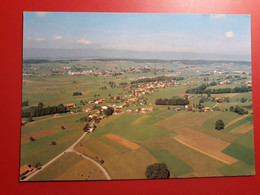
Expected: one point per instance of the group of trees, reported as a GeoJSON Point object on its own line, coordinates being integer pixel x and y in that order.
{"type": "Point", "coordinates": [219, 124]}
{"type": "Point", "coordinates": [157, 171]}
{"type": "Point", "coordinates": [112, 84]}
{"type": "Point", "coordinates": [161, 78]}
{"type": "Point", "coordinates": [40, 111]}
{"type": "Point", "coordinates": [172, 101]}
{"type": "Point", "coordinates": [103, 88]}
{"type": "Point", "coordinates": [77, 93]}
{"type": "Point", "coordinates": [87, 127]}
{"type": "Point", "coordinates": [202, 90]}
{"type": "Point", "coordinates": [238, 110]}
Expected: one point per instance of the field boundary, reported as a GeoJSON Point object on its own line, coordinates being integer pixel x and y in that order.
{"type": "Point", "coordinates": [122, 141]}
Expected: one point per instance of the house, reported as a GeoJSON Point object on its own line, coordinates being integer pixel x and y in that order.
{"type": "Point", "coordinates": [56, 115]}
{"type": "Point", "coordinates": [94, 115]}
{"type": "Point", "coordinates": [91, 129]}
{"type": "Point", "coordinates": [102, 117]}
{"type": "Point", "coordinates": [88, 110]}
{"type": "Point", "coordinates": [123, 105]}
{"type": "Point", "coordinates": [104, 107]}
{"type": "Point", "coordinates": [25, 169]}
{"type": "Point", "coordinates": [74, 112]}
{"type": "Point", "coordinates": [133, 99]}
{"type": "Point", "coordinates": [206, 109]}
{"type": "Point", "coordinates": [224, 82]}
{"type": "Point", "coordinates": [100, 101]}
{"type": "Point", "coordinates": [117, 97]}
{"type": "Point", "coordinates": [70, 105]}
{"type": "Point", "coordinates": [189, 107]}
{"type": "Point", "coordinates": [219, 100]}
{"type": "Point", "coordinates": [177, 109]}
{"type": "Point", "coordinates": [116, 112]}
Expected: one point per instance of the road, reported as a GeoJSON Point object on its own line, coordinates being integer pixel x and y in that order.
{"type": "Point", "coordinates": [70, 149]}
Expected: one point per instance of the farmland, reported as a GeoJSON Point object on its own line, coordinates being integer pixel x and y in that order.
{"type": "Point", "coordinates": [153, 118]}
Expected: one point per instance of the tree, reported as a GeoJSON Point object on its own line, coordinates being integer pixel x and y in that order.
{"type": "Point", "coordinates": [32, 139]}
{"type": "Point", "coordinates": [239, 110]}
{"type": "Point", "coordinates": [53, 143]}
{"type": "Point", "coordinates": [86, 128]}
{"type": "Point", "coordinates": [157, 171]}
{"type": "Point", "coordinates": [62, 127]}
{"type": "Point", "coordinates": [243, 100]}
{"type": "Point", "coordinates": [219, 124]}
{"type": "Point", "coordinates": [231, 109]}
{"type": "Point", "coordinates": [109, 111]}
{"type": "Point", "coordinates": [29, 119]}
{"type": "Point", "coordinates": [40, 105]}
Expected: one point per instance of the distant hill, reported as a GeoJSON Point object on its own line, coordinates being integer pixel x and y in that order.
{"type": "Point", "coordinates": [67, 54]}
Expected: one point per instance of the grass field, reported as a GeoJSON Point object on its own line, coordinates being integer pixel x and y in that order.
{"type": "Point", "coordinates": [40, 150]}
{"type": "Point", "coordinates": [70, 167]}
{"type": "Point", "coordinates": [176, 166]}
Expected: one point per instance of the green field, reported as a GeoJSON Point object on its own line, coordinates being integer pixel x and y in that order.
{"type": "Point", "coordinates": [176, 166]}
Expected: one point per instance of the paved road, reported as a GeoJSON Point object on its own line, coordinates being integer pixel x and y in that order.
{"type": "Point", "coordinates": [70, 149]}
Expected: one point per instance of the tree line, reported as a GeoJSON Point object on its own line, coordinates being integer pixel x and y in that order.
{"type": "Point", "coordinates": [172, 101]}
{"type": "Point", "coordinates": [202, 90]}
{"type": "Point", "coordinates": [161, 78]}
{"type": "Point", "coordinates": [40, 111]}
{"type": "Point", "coordinates": [77, 93]}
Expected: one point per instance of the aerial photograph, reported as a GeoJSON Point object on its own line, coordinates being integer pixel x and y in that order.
{"type": "Point", "coordinates": [118, 96]}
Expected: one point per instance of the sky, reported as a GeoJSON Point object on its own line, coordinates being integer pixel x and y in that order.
{"type": "Point", "coordinates": [200, 33]}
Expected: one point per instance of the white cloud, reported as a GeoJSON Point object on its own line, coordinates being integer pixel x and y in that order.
{"type": "Point", "coordinates": [216, 16]}
{"type": "Point", "coordinates": [83, 41]}
{"type": "Point", "coordinates": [58, 37]}
{"type": "Point", "coordinates": [39, 39]}
{"type": "Point", "coordinates": [41, 14]}
{"type": "Point", "coordinates": [229, 35]}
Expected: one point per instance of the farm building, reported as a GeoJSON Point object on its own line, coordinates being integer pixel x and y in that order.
{"type": "Point", "coordinates": [117, 97]}
{"type": "Point", "coordinates": [25, 169]}
{"type": "Point", "coordinates": [100, 101]}
{"type": "Point", "coordinates": [70, 105]}
{"type": "Point", "coordinates": [104, 107]}
{"type": "Point", "coordinates": [177, 109]}
{"type": "Point", "coordinates": [189, 107]}
{"type": "Point", "coordinates": [87, 110]}
{"type": "Point", "coordinates": [219, 100]}
{"type": "Point", "coordinates": [206, 109]}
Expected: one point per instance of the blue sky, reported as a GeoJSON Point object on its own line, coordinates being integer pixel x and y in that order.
{"type": "Point", "coordinates": [222, 34]}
